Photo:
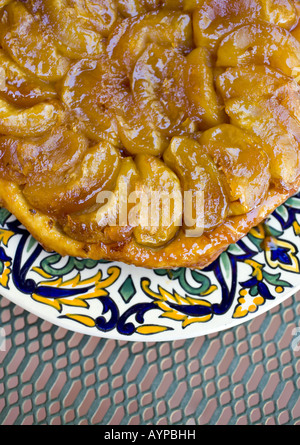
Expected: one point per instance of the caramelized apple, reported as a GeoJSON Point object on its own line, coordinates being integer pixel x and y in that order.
{"type": "Point", "coordinates": [288, 96]}
{"type": "Point", "coordinates": [198, 173]}
{"type": "Point", "coordinates": [243, 162]}
{"type": "Point", "coordinates": [200, 90]}
{"type": "Point", "coordinates": [106, 222]}
{"type": "Point", "coordinates": [261, 81]}
{"type": "Point", "coordinates": [174, 5]}
{"type": "Point", "coordinates": [101, 13]}
{"type": "Point", "coordinates": [76, 189]}
{"type": "Point", "coordinates": [158, 87]}
{"type": "Point", "coordinates": [27, 122]}
{"type": "Point", "coordinates": [265, 103]}
{"type": "Point", "coordinates": [95, 119]}
{"type": "Point", "coordinates": [260, 44]}
{"type": "Point", "coordinates": [250, 81]}
{"type": "Point", "coordinates": [278, 131]}
{"type": "Point", "coordinates": [72, 30]}
{"type": "Point", "coordinates": [131, 37]}
{"type": "Point", "coordinates": [213, 19]}
{"type": "Point", "coordinates": [296, 31]}
{"type": "Point", "coordinates": [30, 47]}
{"type": "Point", "coordinates": [10, 167]}
{"type": "Point", "coordinates": [160, 212]}
{"type": "Point", "coordinates": [4, 3]}
{"type": "Point", "coordinates": [138, 135]}
{"type": "Point", "coordinates": [35, 159]}
{"type": "Point", "coordinates": [132, 8]}
{"type": "Point", "coordinates": [20, 88]}
{"type": "Point", "coordinates": [281, 12]}
{"type": "Point", "coordinates": [89, 16]}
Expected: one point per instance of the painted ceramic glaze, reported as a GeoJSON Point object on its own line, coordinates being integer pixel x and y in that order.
{"type": "Point", "coordinates": [114, 300]}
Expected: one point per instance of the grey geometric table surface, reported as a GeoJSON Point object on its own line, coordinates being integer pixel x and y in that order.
{"type": "Point", "coordinates": [246, 375]}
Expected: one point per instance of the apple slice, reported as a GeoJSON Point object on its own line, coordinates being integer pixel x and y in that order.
{"type": "Point", "coordinates": [106, 222]}
{"type": "Point", "coordinates": [250, 81]}
{"type": "Point", "coordinates": [198, 173]}
{"type": "Point", "coordinates": [94, 110]}
{"type": "Point", "coordinates": [36, 159]}
{"type": "Point", "coordinates": [213, 19]}
{"type": "Point", "coordinates": [73, 31]}
{"type": "Point", "coordinates": [260, 44]}
{"type": "Point", "coordinates": [130, 39]}
{"type": "Point", "coordinates": [77, 189]}
{"type": "Point", "coordinates": [206, 104]}
{"type": "Point", "coordinates": [277, 130]}
{"type": "Point", "coordinates": [4, 2]}
{"type": "Point", "coordinates": [102, 14]}
{"type": "Point", "coordinates": [244, 163]}
{"type": "Point", "coordinates": [29, 122]}
{"type": "Point", "coordinates": [158, 87]}
{"type": "Point", "coordinates": [266, 104]}
{"type": "Point", "coordinates": [19, 87]}
{"type": "Point", "coordinates": [159, 210]}
{"type": "Point", "coordinates": [132, 8]}
{"type": "Point", "coordinates": [23, 38]}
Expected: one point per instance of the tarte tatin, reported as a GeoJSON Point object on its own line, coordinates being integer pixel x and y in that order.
{"type": "Point", "coordinates": [185, 111]}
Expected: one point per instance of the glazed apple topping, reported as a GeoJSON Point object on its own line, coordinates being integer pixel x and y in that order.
{"type": "Point", "coordinates": [29, 44]}
{"type": "Point", "coordinates": [78, 187]}
{"type": "Point", "coordinates": [259, 44]}
{"type": "Point", "coordinates": [214, 19]}
{"type": "Point", "coordinates": [145, 120]}
{"type": "Point", "coordinates": [107, 220]}
{"type": "Point", "coordinates": [198, 173]}
{"type": "Point", "coordinates": [242, 161]}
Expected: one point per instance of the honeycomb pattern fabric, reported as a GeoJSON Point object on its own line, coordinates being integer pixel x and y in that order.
{"type": "Point", "coordinates": [246, 375]}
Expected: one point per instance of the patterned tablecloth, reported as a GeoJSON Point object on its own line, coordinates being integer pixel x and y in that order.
{"type": "Point", "coordinates": [247, 375]}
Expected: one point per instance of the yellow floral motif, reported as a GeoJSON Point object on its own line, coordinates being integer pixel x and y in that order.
{"type": "Point", "coordinates": [150, 329]}
{"type": "Point", "coordinates": [99, 289]}
{"type": "Point", "coordinates": [82, 319]}
{"type": "Point", "coordinates": [270, 243]}
{"type": "Point", "coordinates": [163, 299]}
{"type": "Point", "coordinates": [5, 236]}
{"type": "Point", "coordinates": [257, 269]}
{"type": "Point", "coordinates": [273, 244]}
{"type": "Point", "coordinates": [258, 231]}
{"type": "Point", "coordinates": [4, 277]}
{"type": "Point", "coordinates": [296, 228]}
{"type": "Point", "coordinates": [247, 304]}
{"type": "Point", "coordinates": [212, 289]}
{"type": "Point", "coordinates": [41, 272]}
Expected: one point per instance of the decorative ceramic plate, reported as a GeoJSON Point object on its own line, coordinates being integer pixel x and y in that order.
{"type": "Point", "coordinates": [113, 300]}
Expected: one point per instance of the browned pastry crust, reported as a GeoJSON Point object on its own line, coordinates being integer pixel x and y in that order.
{"type": "Point", "coordinates": [183, 252]}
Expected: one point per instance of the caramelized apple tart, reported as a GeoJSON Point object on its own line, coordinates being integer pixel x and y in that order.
{"type": "Point", "coordinates": [152, 132]}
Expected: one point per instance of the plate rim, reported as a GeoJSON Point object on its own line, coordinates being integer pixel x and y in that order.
{"type": "Point", "coordinates": [230, 318]}
{"type": "Point", "coordinates": [154, 338]}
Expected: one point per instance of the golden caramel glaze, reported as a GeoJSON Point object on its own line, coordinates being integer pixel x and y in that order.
{"type": "Point", "coordinates": [155, 97]}
{"type": "Point", "coordinates": [187, 252]}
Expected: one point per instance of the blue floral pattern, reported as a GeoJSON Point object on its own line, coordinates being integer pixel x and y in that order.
{"type": "Point", "coordinates": [114, 300]}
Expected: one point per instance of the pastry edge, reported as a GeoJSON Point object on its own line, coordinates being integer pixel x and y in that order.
{"type": "Point", "coordinates": [195, 253]}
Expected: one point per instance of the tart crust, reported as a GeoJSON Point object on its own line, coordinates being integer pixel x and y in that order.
{"type": "Point", "coordinates": [182, 252]}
